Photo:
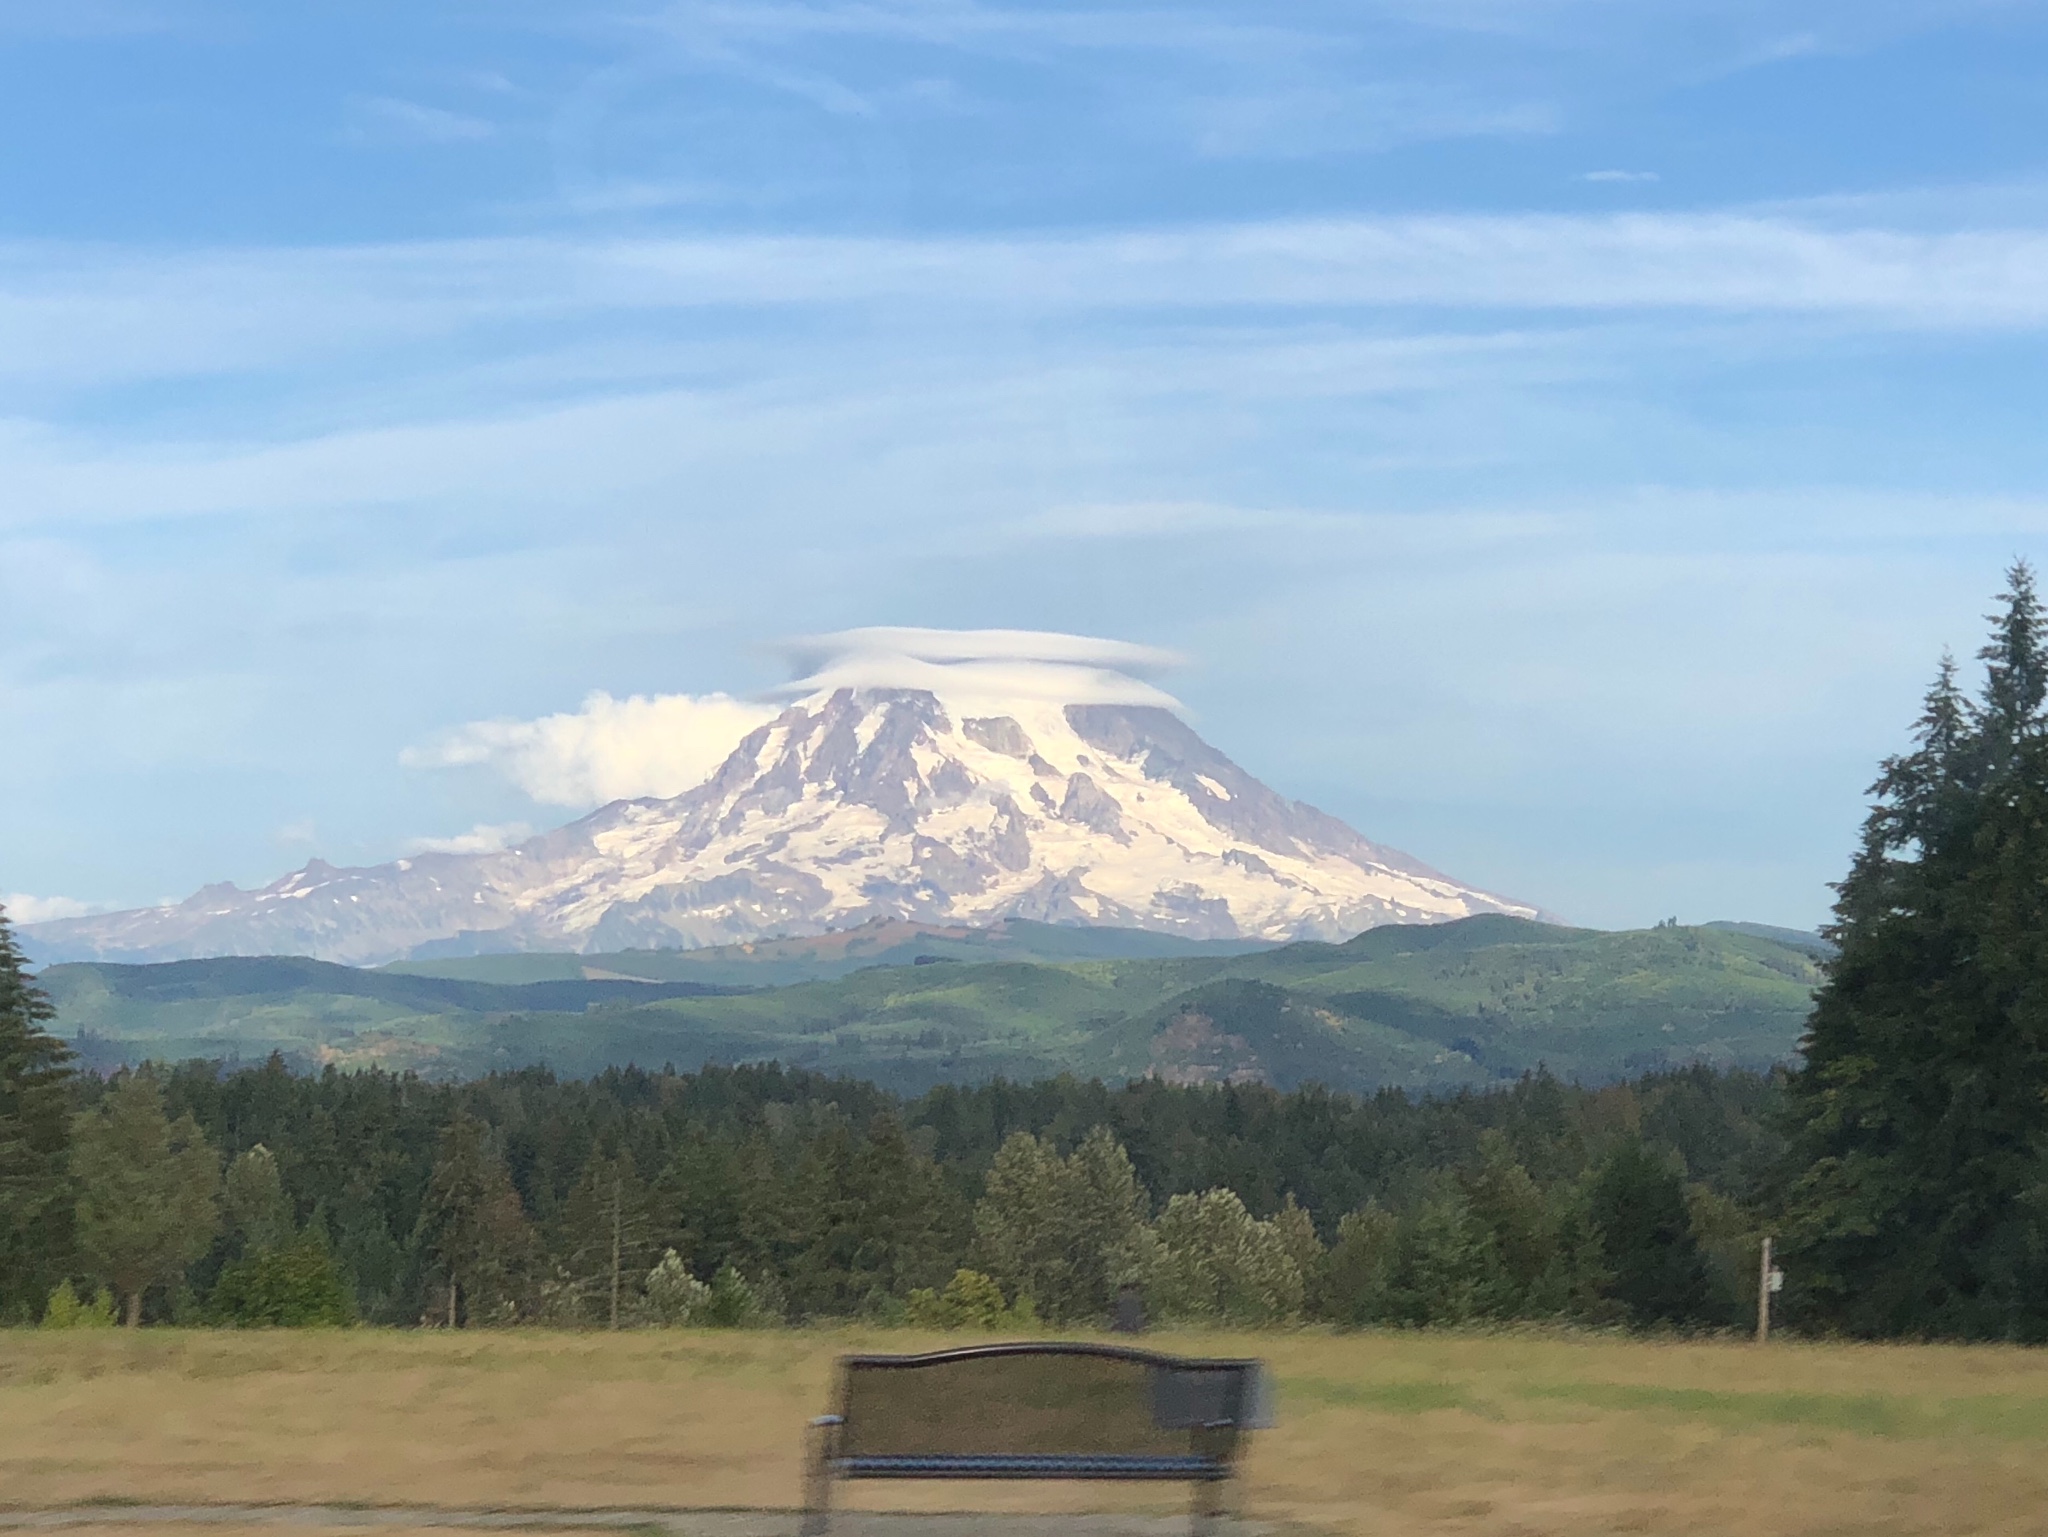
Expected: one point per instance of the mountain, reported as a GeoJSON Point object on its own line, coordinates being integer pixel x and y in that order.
{"type": "Point", "coordinates": [853, 804]}
{"type": "Point", "coordinates": [1469, 1002]}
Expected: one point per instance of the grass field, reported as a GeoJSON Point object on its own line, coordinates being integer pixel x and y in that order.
{"type": "Point", "coordinates": [1380, 1434]}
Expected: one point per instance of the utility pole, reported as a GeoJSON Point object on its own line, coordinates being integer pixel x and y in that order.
{"type": "Point", "coordinates": [1768, 1279]}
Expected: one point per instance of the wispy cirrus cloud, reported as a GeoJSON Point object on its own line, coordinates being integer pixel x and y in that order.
{"type": "Point", "coordinates": [78, 313]}
{"type": "Point", "coordinates": [393, 120]}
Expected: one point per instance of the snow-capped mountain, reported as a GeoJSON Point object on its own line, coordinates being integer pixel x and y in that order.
{"type": "Point", "coordinates": [853, 803]}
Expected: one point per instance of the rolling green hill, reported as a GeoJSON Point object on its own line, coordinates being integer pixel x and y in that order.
{"type": "Point", "coordinates": [820, 957]}
{"type": "Point", "coordinates": [1413, 1007]}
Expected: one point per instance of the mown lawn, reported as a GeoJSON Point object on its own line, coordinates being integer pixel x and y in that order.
{"type": "Point", "coordinates": [1379, 1433]}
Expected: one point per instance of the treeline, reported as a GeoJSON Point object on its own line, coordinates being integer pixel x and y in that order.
{"type": "Point", "coordinates": [757, 1194]}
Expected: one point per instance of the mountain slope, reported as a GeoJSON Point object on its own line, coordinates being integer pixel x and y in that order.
{"type": "Point", "coordinates": [852, 805]}
{"type": "Point", "coordinates": [1416, 1007]}
{"type": "Point", "coordinates": [821, 957]}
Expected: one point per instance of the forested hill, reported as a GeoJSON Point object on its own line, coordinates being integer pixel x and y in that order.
{"type": "Point", "coordinates": [1479, 1001]}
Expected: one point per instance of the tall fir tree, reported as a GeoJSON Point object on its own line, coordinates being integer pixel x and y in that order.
{"type": "Point", "coordinates": [473, 1225]}
{"type": "Point", "coordinates": [603, 1241]}
{"type": "Point", "coordinates": [1920, 1115]}
{"type": "Point", "coordinates": [148, 1191]}
{"type": "Point", "coordinates": [35, 1125]}
{"type": "Point", "coordinates": [1652, 1256]}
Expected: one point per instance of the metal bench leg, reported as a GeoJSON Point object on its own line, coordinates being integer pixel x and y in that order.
{"type": "Point", "coordinates": [817, 1504]}
{"type": "Point", "coordinates": [818, 1476]}
{"type": "Point", "coordinates": [1205, 1508]}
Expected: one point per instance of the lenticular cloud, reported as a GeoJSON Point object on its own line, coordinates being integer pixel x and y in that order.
{"type": "Point", "coordinates": [980, 668]}
{"type": "Point", "coordinates": [661, 745]}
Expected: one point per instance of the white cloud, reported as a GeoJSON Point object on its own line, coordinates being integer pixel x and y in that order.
{"type": "Point", "coordinates": [23, 908]}
{"type": "Point", "coordinates": [74, 316]}
{"type": "Point", "coordinates": [624, 749]}
{"type": "Point", "coordinates": [387, 119]}
{"type": "Point", "coordinates": [484, 838]}
{"type": "Point", "coordinates": [611, 749]}
{"type": "Point", "coordinates": [981, 668]}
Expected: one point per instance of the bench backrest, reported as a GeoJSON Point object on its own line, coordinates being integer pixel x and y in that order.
{"type": "Point", "coordinates": [1038, 1399]}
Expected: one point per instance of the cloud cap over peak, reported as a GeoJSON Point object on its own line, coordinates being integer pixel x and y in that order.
{"type": "Point", "coordinates": [980, 666]}
{"type": "Point", "coordinates": [661, 745]}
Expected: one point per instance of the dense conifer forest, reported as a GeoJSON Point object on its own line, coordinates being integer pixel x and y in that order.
{"type": "Point", "coordinates": [817, 1197]}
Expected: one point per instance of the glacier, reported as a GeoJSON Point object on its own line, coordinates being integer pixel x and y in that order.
{"type": "Point", "coordinates": [852, 804]}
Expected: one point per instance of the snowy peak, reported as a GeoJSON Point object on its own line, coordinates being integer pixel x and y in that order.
{"type": "Point", "coordinates": [855, 804]}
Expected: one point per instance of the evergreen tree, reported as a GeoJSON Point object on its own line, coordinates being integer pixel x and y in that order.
{"type": "Point", "coordinates": [868, 1218]}
{"type": "Point", "coordinates": [1654, 1264]}
{"type": "Point", "coordinates": [147, 1191]}
{"type": "Point", "coordinates": [604, 1240]}
{"type": "Point", "coordinates": [1447, 1267]}
{"type": "Point", "coordinates": [1505, 1202]}
{"type": "Point", "coordinates": [1920, 1115]}
{"type": "Point", "coordinates": [1358, 1275]}
{"type": "Point", "coordinates": [472, 1223]}
{"type": "Point", "coordinates": [35, 1123]}
{"type": "Point", "coordinates": [253, 1201]}
{"type": "Point", "coordinates": [1054, 1229]}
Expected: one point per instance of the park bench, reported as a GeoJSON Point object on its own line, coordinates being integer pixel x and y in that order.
{"type": "Point", "coordinates": [1036, 1411]}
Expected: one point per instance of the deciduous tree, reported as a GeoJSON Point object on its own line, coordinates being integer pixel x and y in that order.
{"type": "Point", "coordinates": [1054, 1229]}
{"type": "Point", "coordinates": [1214, 1262]}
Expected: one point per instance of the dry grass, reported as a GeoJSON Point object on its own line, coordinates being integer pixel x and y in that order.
{"type": "Point", "coordinates": [306, 1529]}
{"type": "Point", "coordinates": [1383, 1434]}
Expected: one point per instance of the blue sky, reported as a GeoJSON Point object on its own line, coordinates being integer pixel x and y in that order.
{"type": "Point", "coordinates": [1562, 435]}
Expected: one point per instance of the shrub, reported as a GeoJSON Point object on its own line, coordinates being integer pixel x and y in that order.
{"type": "Point", "coordinates": [733, 1304]}
{"type": "Point", "coordinates": [676, 1298]}
{"type": "Point", "coordinates": [293, 1286]}
{"type": "Point", "coordinates": [65, 1311]}
{"type": "Point", "coordinates": [971, 1300]}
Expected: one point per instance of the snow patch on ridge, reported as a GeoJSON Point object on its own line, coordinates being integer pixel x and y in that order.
{"type": "Point", "coordinates": [850, 804]}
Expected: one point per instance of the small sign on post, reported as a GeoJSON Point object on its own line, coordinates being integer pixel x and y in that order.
{"type": "Point", "coordinates": [1769, 1279]}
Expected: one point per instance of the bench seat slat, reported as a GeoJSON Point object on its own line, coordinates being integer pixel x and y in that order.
{"type": "Point", "coordinates": [1078, 1465]}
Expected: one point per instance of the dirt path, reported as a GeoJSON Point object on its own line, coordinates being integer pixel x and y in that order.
{"type": "Point", "coordinates": [131, 1520]}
